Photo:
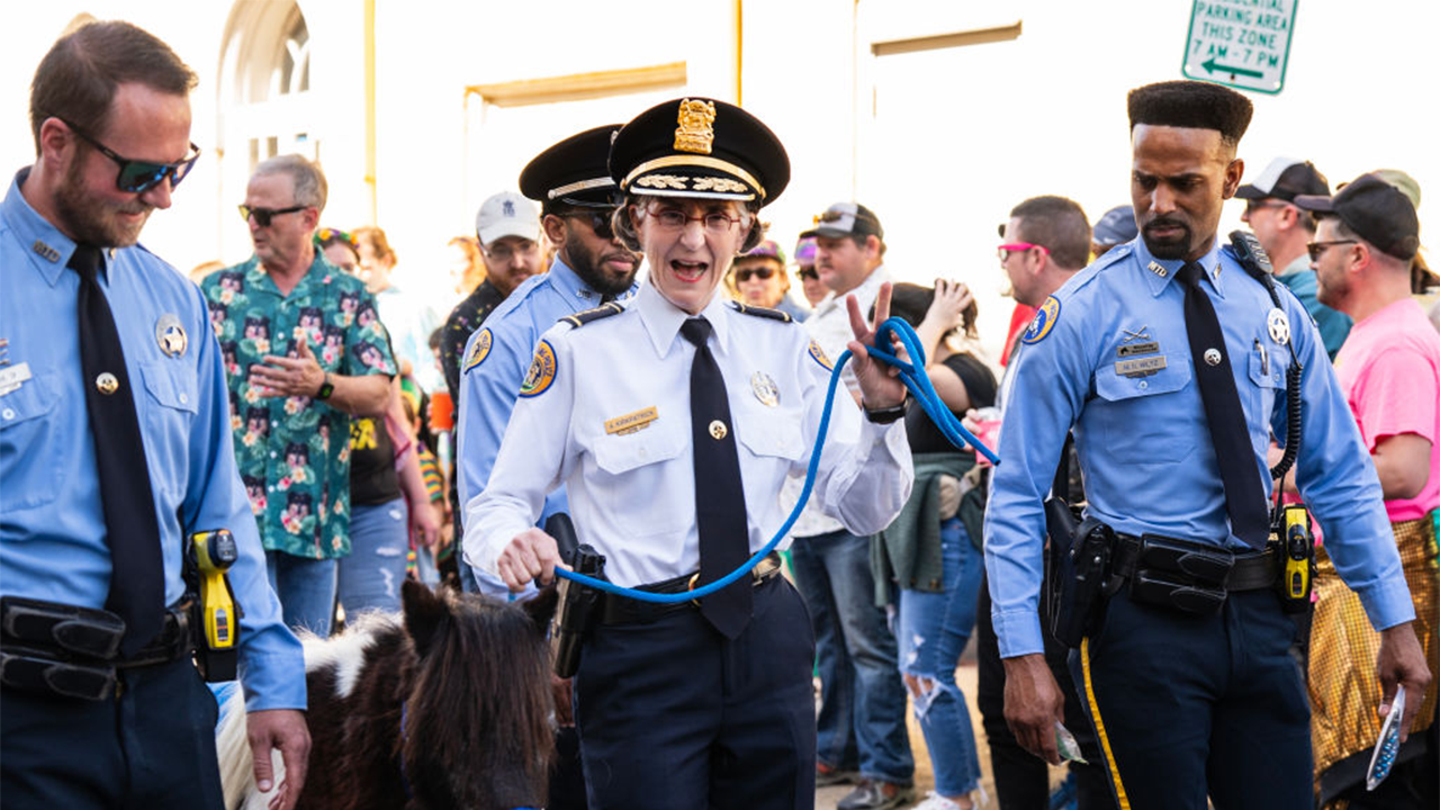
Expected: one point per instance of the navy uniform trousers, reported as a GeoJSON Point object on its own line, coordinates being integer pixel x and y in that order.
{"type": "Point", "coordinates": [151, 747]}
{"type": "Point", "coordinates": [672, 714]}
{"type": "Point", "coordinates": [1184, 705]}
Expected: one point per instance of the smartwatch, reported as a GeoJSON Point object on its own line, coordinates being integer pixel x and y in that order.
{"type": "Point", "coordinates": [326, 388]}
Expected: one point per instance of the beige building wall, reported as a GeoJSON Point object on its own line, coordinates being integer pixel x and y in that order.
{"type": "Point", "coordinates": [447, 101]}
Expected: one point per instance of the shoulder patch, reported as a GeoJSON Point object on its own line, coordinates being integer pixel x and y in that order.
{"type": "Point", "coordinates": [579, 319]}
{"type": "Point", "coordinates": [818, 354]}
{"type": "Point", "coordinates": [480, 350]}
{"type": "Point", "coordinates": [1044, 321]}
{"type": "Point", "coordinates": [542, 371]}
{"type": "Point", "coordinates": [761, 312]}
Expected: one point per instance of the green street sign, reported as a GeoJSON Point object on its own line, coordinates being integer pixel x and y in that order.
{"type": "Point", "coordinates": [1242, 43]}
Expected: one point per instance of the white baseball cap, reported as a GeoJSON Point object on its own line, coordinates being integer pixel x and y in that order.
{"type": "Point", "coordinates": [507, 214]}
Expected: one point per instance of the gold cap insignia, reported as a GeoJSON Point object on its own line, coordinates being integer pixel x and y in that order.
{"type": "Point", "coordinates": [696, 132]}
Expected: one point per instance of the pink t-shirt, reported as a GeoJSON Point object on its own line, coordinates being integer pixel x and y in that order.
{"type": "Point", "coordinates": [1389, 369]}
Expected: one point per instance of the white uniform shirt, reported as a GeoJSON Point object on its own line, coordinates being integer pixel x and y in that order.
{"type": "Point", "coordinates": [632, 492]}
{"type": "Point", "coordinates": [830, 328]}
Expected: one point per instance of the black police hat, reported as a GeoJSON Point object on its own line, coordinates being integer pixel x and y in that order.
{"type": "Point", "coordinates": [573, 171]}
{"type": "Point", "coordinates": [699, 147]}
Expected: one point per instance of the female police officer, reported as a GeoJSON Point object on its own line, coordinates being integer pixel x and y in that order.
{"type": "Point", "coordinates": [672, 422]}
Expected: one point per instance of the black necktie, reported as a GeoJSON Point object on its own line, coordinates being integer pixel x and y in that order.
{"type": "Point", "coordinates": [137, 588]}
{"type": "Point", "coordinates": [719, 495]}
{"type": "Point", "coordinates": [1244, 494]}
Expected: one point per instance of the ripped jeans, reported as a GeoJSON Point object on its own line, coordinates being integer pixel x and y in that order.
{"type": "Point", "coordinates": [371, 575]}
{"type": "Point", "coordinates": [932, 630]}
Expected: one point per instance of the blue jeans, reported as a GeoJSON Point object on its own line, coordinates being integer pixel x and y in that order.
{"type": "Point", "coordinates": [862, 710]}
{"type": "Point", "coordinates": [933, 629]}
{"type": "Point", "coordinates": [306, 589]}
{"type": "Point", "coordinates": [371, 574]}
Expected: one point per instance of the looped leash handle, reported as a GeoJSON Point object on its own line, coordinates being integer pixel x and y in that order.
{"type": "Point", "coordinates": [912, 374]}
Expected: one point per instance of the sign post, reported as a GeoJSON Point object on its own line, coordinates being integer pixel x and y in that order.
{"type": "Point", "coordinates": [1242, 43]}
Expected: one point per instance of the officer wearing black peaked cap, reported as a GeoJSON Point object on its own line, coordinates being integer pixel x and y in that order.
{"type": "Point", "coordinates": [671, 460]}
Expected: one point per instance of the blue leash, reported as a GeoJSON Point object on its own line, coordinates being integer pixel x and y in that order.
{"type": "Point", "coordinates": [915, 379]}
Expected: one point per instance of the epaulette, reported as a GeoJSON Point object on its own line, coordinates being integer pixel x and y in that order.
{"type": "Point", "coordinates": [579, 319]}
{"type": "Point", "coordinates": [761, 312]}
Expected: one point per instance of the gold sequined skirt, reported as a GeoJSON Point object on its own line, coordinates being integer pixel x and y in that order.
{"type": "Point", "coordinates": [1344, 690]}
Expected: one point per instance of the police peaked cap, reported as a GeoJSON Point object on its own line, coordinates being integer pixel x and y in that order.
{"type": "Point", "coordinates": [573, 171]}
{"type": "Point", "coordinates": [699, 148]}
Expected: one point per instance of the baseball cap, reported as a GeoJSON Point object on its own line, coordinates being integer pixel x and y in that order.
{"type": "Point", "coordinates": [805, 251]}
{"type": "Point", "coordinates": [846, 219]}
{"type": "Point", "coordinates": [507, 214]}
{"type": "Point", "coordinates": [1375, 210]}
{"type": "Point", "coordinates": [1285, 179]}
{"type": "Point", "coordinates": [1402, 181]}
{"type": "Point", "coordinates": [1116, 227]}
{"type": "Point", "coordinates": [766, 249]}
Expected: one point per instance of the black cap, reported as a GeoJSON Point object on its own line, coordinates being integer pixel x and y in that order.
{"type": "Point", "coordinates": [1285, 179]}
{"type": "Point", "coordinates": [699, 147]}
{"type": "Point", "coordinates": [1376, 211]}
{"type": "Point", "coordinates": [846, 219]}
{"type": "Point", "coordinates": [573, 171]}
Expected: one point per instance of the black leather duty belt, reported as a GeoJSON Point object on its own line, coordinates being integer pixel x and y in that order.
{"type": "Point", "coordinates": [615, 609]}
{"type": "Point", "coordinates": [1248, 572]}
{"type": "Point", "coordinates": [71, 652]}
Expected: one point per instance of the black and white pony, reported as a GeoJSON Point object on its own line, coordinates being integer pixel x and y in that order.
{"type": "Point", "coordinates": [445, 705]}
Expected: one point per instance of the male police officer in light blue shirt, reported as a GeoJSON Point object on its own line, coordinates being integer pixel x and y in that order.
{"type": "Point", "coordinates": [149, 741]}
{"type": "Point", "coordinates": [577, 197]}
{"type": "Point", "coordinates": [1184, 704]}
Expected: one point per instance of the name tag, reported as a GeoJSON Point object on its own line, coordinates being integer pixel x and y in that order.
{"type": "Point", "coordinates": [631, 422]}
{"type": "Point", "coordinates": [1140, 366]}
{"type": "Point", "coordinates": [1133, 349]}
{"type": "Point", "coordinates": [12, 376]}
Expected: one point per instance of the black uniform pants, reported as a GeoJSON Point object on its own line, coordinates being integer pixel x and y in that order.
{"type": "Point", "coordinates": [672, 714]}
{"type": "Point", "coordinates": [1022, 780]}
{"type": "Point", "coordinates": [152, 747]}
{"type": "Point", "coordinates": [1189, 706]}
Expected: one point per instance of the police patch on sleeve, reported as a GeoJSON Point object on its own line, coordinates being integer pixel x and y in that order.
{"type": "Point", "coordinates": [819, 355]}
{"type": "Point", "coordinates": [541, 373]}
{"type": "Point", "coordinates": [480, 351]}
{"type": "Point", "coordinates": [1044, 321]}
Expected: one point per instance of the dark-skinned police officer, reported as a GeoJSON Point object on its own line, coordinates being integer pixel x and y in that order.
{"type": "Point", "coordinates": [1169, 362]}
{"type": "Point", "coordinates": [114, 446]}
{"type": "Point", "coordinates": [672, 422]}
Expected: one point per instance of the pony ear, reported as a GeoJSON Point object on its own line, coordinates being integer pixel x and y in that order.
{"type": "Point", "coordinates": [541, 609]}
{"type": "Point", "coordinates": [424, 610]}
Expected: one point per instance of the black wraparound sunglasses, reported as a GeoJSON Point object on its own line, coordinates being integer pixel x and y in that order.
{"type": "Point", "coordinates": [264, 215]}
{"type": "Point", "coordinates": [139, 176]}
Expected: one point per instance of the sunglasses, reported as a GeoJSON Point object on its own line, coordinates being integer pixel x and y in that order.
{"type": "Point", "coordinates": [264, 215]}
{"type": "Point", "coordinates": [1005, 250]}
{"type": "Point", "coordinates": [1251, 206]}
{"type": "Point", "coordinates": [808, 272]}
{"type": "Point", "coordinates": [599, 221]}
{"type": "Point", "coordinates": [762, 273]}
{"type": "Point", "coordinates": [139, 176]}
{"type": "Point", "coordinates": [1317, 249]}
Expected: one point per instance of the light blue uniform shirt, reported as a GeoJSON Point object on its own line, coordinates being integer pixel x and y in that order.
{"type": "Point", "coordinates": [1144, 443]}
{"type": "Point", "coordinates": [496, 360]}
{"type": "Point", "coordinates": [52, 526]}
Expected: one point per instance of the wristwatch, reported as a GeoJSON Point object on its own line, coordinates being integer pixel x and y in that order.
{"type": "Point", "coordinates": [326, 388]}
{"type": "Point", "coordinates": [885, 416]}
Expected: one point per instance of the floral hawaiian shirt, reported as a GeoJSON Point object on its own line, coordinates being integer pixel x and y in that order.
{"type": "Point", "coordinates": [294, 452]}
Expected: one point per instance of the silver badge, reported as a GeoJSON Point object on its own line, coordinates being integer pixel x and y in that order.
{"type": "Point", "coordinates": [171, 335]}
{"type": "Point", "coordinates": [1212, 357]}
{"type": "Point", "coordinates": [765, 389]}
{"type": "Point", "coordinates": [1279, 325]}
